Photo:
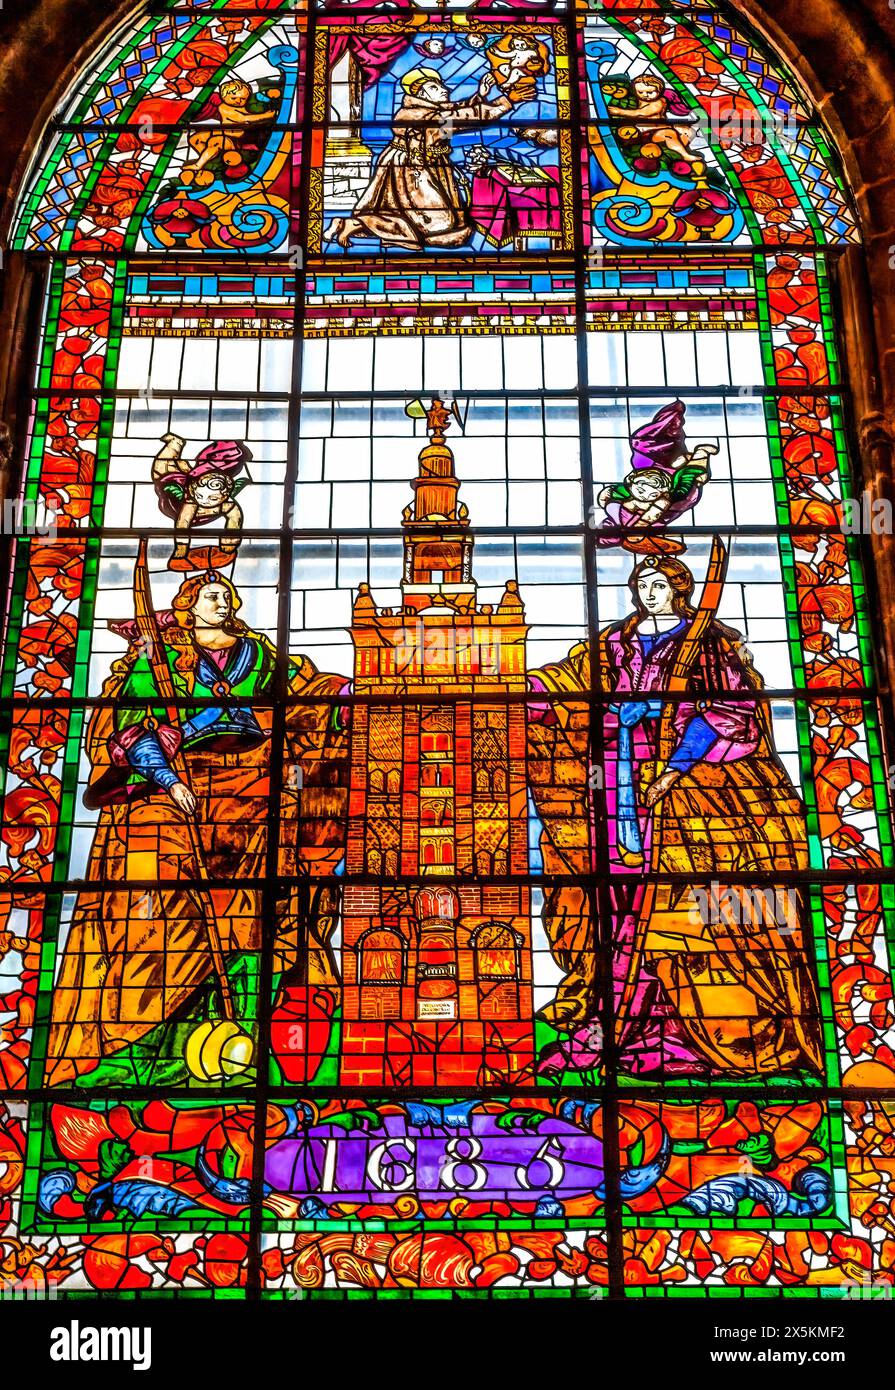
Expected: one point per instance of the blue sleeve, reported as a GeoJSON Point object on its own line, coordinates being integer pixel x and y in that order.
{"type": "Point", "coordinates": [696, 740]}
{"type": "Point", "coordinates": [147, 757]}
{"type": "Point", "coordinates": [631, 712]}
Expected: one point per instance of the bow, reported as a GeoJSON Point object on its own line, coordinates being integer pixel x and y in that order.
{"type": "Point", "coordinates": [688, 650]}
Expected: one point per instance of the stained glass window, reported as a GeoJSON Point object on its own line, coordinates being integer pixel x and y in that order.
{"type": "Point", "coordinates": [446, 828]}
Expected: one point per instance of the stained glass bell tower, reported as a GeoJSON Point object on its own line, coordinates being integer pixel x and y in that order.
{"type": "Point", "coordinates": [437, 955]}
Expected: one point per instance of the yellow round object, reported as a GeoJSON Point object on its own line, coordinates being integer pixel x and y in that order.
{"type": "Point", "coordinates": [236, 1053]}
{"type": "Point", "coordinates": [215, 1050]}
{"type": "Point", "coordinates": [192, 1052]}
{"type": "Point", "coordinates": [873, 1075]}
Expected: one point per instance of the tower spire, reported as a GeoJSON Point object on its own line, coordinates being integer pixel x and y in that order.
{"type": "Point", "coordinates": [437, 547]}
{"type": "Point", "coordinates": [436, 485]}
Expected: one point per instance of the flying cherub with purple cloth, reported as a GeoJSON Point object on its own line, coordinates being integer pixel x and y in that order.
{"type": "Point", "coordinates": [198, 493]}
{"type": "Point", "coordinates": [666, 480]}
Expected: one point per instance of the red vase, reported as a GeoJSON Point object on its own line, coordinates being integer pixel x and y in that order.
{"type": "Point", "coordinates": [300, 1029]}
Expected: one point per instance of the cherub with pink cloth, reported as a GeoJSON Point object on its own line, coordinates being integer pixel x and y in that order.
{"type": "Point", "coordinates": [198, 493]}
{"type": "Point", "coordinates": [666, 480]}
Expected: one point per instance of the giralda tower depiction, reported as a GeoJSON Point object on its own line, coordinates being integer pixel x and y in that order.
{"type": "Point", "coordinates": [437, 941]}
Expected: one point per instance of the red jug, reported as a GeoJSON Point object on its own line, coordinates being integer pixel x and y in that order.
{"type": "Point", "coordinates": [300, 1028]}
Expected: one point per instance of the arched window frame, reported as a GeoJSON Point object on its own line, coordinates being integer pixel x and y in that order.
{"type": "Point", "coordinates": [875, 439]}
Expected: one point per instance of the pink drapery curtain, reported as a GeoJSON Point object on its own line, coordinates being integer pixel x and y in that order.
{"type": "Point", "coordinates": [374, 52]}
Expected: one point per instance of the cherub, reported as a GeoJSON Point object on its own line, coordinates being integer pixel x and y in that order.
{"type": "Point", "coordinates": [644, 495]}
{"type": "Point", "coordinates": [235, 119]}
{"type": "Point", "coordinates": [434, 46]}
{"type": "Point", "coordinates": [666, 480]}
{"type": "Point", "coordinates": [652, 105]}
{"type": "Point", "coordinates": [517, 62]}
{"type": "Point", "coordinates": [198, 494]}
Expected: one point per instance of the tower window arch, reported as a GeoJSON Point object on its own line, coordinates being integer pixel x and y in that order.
{"type": "Point", "coordinates": [381, 957]}
{"type": "Point", "coordinates": [496, 948]}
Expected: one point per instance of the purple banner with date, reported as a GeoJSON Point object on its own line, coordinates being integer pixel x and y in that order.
{"type": "Point", "coordinates": [479, 1148]}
